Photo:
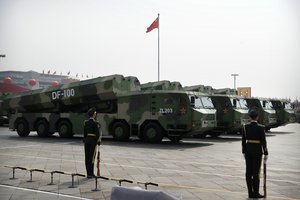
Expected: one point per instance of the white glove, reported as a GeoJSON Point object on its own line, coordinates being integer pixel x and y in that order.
{"type": "Point", "coordinates": [265, 158]}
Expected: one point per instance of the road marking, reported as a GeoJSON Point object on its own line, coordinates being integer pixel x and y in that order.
{"type": "Point", "coordinates": [199, 163]}
{"type": "Point", "coordinates": [16, 147]}
{"type": "Point", "coordinates": [221, 191]}
{"type": "Point", "coordinates": [153, 168]}
{"type": "Point", "coordinates": [43, 192]}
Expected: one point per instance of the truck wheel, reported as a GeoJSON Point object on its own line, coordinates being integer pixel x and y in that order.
{"type": "Point", "coordinates": [175, 139]}
{"type": "Point", "coordinates": [215, 134]}
{"type": "Point", "coordinates": [65, 129]}
{"type": "Point", "coordinates": [153, 133]}
{"type": "Point", "coordinates": [42, 128]}
{"type": "Point", "coordinates": [120, 131]}
{"type": "Point", "coordinates": [22, 128]}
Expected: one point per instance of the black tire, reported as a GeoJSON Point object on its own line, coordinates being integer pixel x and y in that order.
{"type": "Point", "coordinates": [120, 131]}
{"type": "Point", "coordinates": [215, 134]}
{"type": "Point", "coordinates": [65, 129]}
{"type": "Point", "coordinates": [22, 128]}
{"type": "Point", "coordinates": [175, 139]}
{"type": "Point", "coordinates": [42, 128]}
{"type": "Point", "coordinates": [153, 133]}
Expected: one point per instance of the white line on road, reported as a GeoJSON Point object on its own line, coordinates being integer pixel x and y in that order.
{"type": "Point", "coordinates": [43, 192]}
{"type": "Point", "coordinates": [24, 146]}
{"type": "Point", "coordinates": [16, 147]}
{"type": "Point", "coordinates": [153, 168]}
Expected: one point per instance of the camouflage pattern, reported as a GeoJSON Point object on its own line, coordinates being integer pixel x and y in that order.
{"type": "Point", "coordinates": [67, 97]}
{"type": "Point", "coordinates": [124, 110]}
{"type": "Point", "coordinates": [284, 112]}
{"type": "Point", "coordinates": [231, 109]}
{"type": "Point", "coordinates": [199, 88]}
{"type": "Point", "coordinates": [204, 113]}
{"type": "Point", "coordinates": [225, 91]}
{"type": "Point", "coordinates": [267, 115]}
{"type": "Point", "coordinates": [232, 112]}
{"type": "Point", "coordinates": [162, 85]}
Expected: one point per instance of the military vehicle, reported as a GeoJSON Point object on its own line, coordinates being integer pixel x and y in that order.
{"type": "Point", "coordinates": [3, 113]}
{"type": "Point", "coordinates": [161, 85]}
{"type": "Point", "coordinates": [267, 114]}
{"type": "Point", "coordinates": [124, 110]}
{"type": "Point", "coordinates": [284, 112]}
{"type": "Point", "coordinates": [200, 103]}
{"type": "Point", "coordinates": [3, 116]}
{"type": "Point", "coordinates": [232, 110]}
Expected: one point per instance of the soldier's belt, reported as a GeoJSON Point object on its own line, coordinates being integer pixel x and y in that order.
{"type": "Point", "coordinates": [253, 141]}
{"type": "Point", "coordinates": [91, 134]}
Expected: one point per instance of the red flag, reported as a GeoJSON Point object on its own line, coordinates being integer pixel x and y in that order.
{"type": "Point", "coordinates": [153, 25]}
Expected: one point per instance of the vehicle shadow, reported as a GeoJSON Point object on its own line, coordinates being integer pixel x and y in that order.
{"type": "Point", "coordinates": [279, 132]}
{"type": "Point", "coordinates": [132, 142]}
{"type": "Point", "coordinates": [221, 138]}
{"type": "Point", "coordinates": [165, 144]}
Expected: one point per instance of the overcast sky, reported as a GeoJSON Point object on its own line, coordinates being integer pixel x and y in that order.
{"type": "Point", "coordinates": [201, 41]}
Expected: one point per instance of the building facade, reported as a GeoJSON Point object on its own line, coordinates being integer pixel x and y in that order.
{"type": "Point", "coordinates": [34, 80]}
{"type": "Point", "coordinates": [244, 91]}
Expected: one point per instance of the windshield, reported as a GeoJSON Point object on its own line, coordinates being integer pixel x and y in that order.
{"type": "Point", "coordinates": [243, 103]}
{"type": "Point", "coordinates": [198, 103]}
{"type": "Point", "coordinates": [201, 102]}
{"type": "Point", "coordinates": [207, 103]}
{"type": "Point", "coordinates": [288, 106]}
{"type": "Point", "coordinates": [266, 104]}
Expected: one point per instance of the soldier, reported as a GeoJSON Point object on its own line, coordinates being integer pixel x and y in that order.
{"type": "Point", "coordinates": [91, 139]}
{"type": "Point", "coordinates": [253, 145]}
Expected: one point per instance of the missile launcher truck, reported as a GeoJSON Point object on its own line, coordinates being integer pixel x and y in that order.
{"type": "Point", "coordinates": [202, 108]}
{"type": "Point", "coordinates": [285, 112]}
{"type": "Point", "coordinates": [232, 111]}
{"type": "Point", "coordinates": [124, 110]}
{"type": "Point", "coordinates": [266, 113]}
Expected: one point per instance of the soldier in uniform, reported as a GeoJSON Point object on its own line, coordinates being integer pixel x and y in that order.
{"type": "Point", "coordinates": [253, 146]}
{"type": "Point", "coordinates": [91, 139]}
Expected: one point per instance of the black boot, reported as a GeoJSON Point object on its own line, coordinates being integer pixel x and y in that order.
{"type": "Point", "coordinates": [249, 186]}
{"type": "Point", "coordinates": [257, 196]}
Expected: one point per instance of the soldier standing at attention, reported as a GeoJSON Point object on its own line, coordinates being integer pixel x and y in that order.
{"type": "Point", "coordinates": [91, 139]}
{"type": "Point", "coordinates": [253, 146]}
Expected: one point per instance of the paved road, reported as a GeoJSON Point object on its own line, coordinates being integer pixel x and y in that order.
{"type": "Point", "coordinates": [193, 169]}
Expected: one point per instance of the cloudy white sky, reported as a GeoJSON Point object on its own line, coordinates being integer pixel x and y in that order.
{"type": "Point", "coordinates": [201, 41]}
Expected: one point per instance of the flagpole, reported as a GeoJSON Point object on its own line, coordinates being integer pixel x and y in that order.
{"type": "Point", "coordinates": [158, 45]}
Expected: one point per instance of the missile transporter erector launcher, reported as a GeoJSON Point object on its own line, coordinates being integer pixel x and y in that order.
{"type": "Point", "coordinates": [285, 112]}
{"type": "Point", "coordinates": [266, 113]}
{"type": "Point", "coordinates": [124, 110]}
{"type": "Point", "coordinates": [231, 110]}
{"type": "Point", "coordinates": [203, 113]}
{"type": "Point", "coordinates": [62, 108]}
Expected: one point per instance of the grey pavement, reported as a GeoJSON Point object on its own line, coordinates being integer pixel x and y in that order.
{"type": "Point", "coordinates": [203, 169]}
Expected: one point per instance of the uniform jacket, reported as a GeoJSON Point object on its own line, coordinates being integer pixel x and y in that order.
{"type": "Point", "coordinates": [91, 126]}
{"type": "Point", "coordinates": [254, 139]}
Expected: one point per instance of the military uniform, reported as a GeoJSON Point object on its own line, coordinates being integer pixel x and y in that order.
{"type": "Point", "coordinates": [253, 146]}
{"type": "Point", "coordinates": [91, 138]}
